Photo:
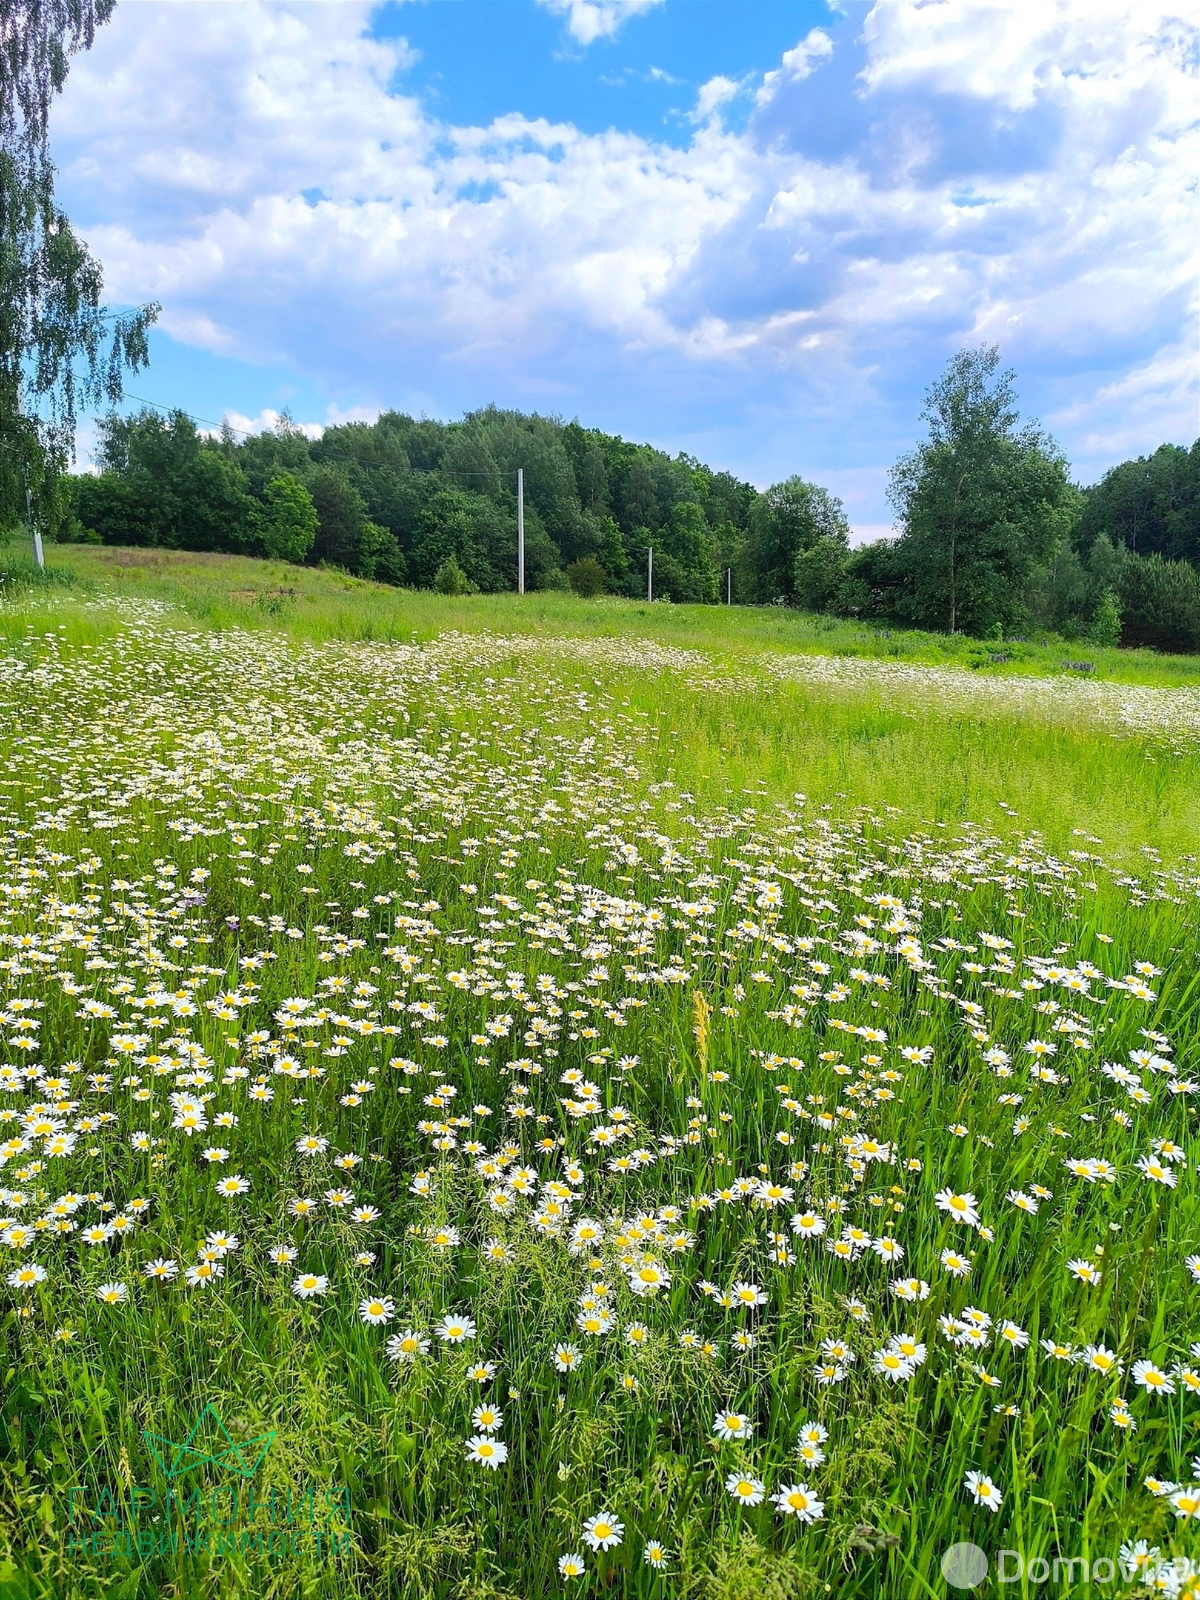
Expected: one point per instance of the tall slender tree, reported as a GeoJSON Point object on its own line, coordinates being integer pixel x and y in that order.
{"type": "Point", "coordinates": [60, 349]}
{"type": "Point", "coordinates": [982, 501]}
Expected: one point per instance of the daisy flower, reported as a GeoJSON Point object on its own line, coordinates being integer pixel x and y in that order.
{"type": "Point", "coordinates": [407, 1346]}
{"type": "Point", "coordinates": [959, 1207]}
{"type": "Point", "coordinates": [745, 1490]}
{"type": "Point", "coordinates": [732, 1425]}
{"type": "Point", "coordinates": [485, 1450]}
{"type": "Point", "coordinates": [798, 1500]}
{"type": "Point", "coordinates": [204, 1272]}
{"type": "Point", "coordinates": [603, 1531]}
{"type": "Point", "coordinates": [1152, 1378]}
{"type": "Point", "coordinates": [27, 1276]}
{"type": "Point", "coordinates": [310, 1284]}
{"type": "Point", "coordinates": [983, 1490]}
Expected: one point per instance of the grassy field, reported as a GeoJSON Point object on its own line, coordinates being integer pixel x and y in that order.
{"type": "Point", "coordinates": [308, 603]}
{"type": "Point", "coordinates": [494, 1089]}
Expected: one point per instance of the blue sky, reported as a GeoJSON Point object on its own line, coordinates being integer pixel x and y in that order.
{"type": "Point", "coordinates": [752, 231]}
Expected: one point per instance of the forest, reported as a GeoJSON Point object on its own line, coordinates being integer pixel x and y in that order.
{"type": "Point", "coordinates": [994, 537]}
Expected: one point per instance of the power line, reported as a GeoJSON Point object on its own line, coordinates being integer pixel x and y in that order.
{"type": "Point", "coordinates": [172, 411]}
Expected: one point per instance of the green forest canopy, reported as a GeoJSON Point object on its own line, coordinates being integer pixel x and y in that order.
{"type": "Point", "coordinates": [993, 535]}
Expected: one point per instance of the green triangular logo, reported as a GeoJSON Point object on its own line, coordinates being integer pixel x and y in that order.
{"type": "Point", "coordinates": [212, 1444]}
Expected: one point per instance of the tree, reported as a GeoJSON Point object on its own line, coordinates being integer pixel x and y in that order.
{"type": "Point", "coordinates": [610, 550]}
{"type": "Point", "coordinates": [785, 521]}
{"type": "Point", "coordinates": [873, 584]}
{"type": "Point", "coordinates": [1160, 603]}
{"type": "Point", "coordinates": [1151, 505]}
{"type": "Point", "coordinates": [341, 516]}
{"type": "Point", "coordinates": [640, 500]}
{"type": "Point", "coordinates": [982, 502]}
{"type": "Point", "coordinates": [454, 526]}
{"type": "Point", "coordinates": [688, 540]}
{"type": "Point", "coordinates": [820, 573]}
{"type": "Point", "coordinates": [379, 554]}
{"type": "Point", "coordinates": [289, 523]}
{"type": "Point", "coordinates": [1106, 621]}
{"type": "Point", "coordinates": [162, 484]}
{"type": "Point", "coordinates": [60, 349]}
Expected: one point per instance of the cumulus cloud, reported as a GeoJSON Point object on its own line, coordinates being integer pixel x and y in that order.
{"type": "Point", "coordinates": [1020, 174]}
{"type": "Point", "coordinates": [1019, 52]}
{"type": "Point", "coordinates": [589, 20]}
{"type": "Point", "coordinates": [716, 92]}
{"type": "Point", "coordinates": [267, 421]}
{"type": "Point", "coordinates": [796, 65]}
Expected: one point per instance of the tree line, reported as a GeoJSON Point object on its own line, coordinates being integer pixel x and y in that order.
{"type": "Point", "coordinates": [994, 538]}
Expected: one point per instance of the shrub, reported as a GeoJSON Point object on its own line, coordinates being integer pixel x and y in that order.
{"type": "Point", "coordinates": [450, 578]}
{"type": "Point", "coordinates": [586, 576]}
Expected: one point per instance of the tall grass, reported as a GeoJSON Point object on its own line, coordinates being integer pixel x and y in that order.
{"type": "Point", "coordinates": [569, 831]}
{"type": "Point", "coordinates": [232, 591]}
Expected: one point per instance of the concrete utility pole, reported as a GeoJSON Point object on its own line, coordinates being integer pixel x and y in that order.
{"type": "Point", "coordinates": [520, 530]}
{"type": "Point", "coordinates": [38, 556]}
{"type": "Point", "coordinates": [728, 586]}
{"type": "Point", "coordinates": [650, 573]}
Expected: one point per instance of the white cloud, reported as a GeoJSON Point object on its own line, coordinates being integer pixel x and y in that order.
{"type": "Point", "coordinates": [813, 51]}
{"type": "Point", "coordinates": [1133, 414]}
{"type": "Point", "coordinates": [267, 421]}
{"type": "Point", "coordinates": [261, 169]}
{"type": "Point", "coordinates": [716, 92]}
{"type": "Point", "coordinates": [1017, 52]}
{"type": "Point", "coordinates": [589, 20]}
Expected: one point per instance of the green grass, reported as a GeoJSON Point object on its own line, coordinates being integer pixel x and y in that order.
{"type": "Point", "coordinates": [764, 889]}
{"type": "Point", "coordinates": [308, 603]}
{"type": "Point", "coordinates": [878, 744]}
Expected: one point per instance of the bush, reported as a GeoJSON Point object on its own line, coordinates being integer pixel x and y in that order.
{"type": "Point", "coordinates": [586, 576]}
{"type": "Point", "coordinates": [450, 578]}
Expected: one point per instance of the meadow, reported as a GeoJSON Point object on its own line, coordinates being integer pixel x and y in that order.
{"type": "Point", "coordinates": [574, 1097]}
